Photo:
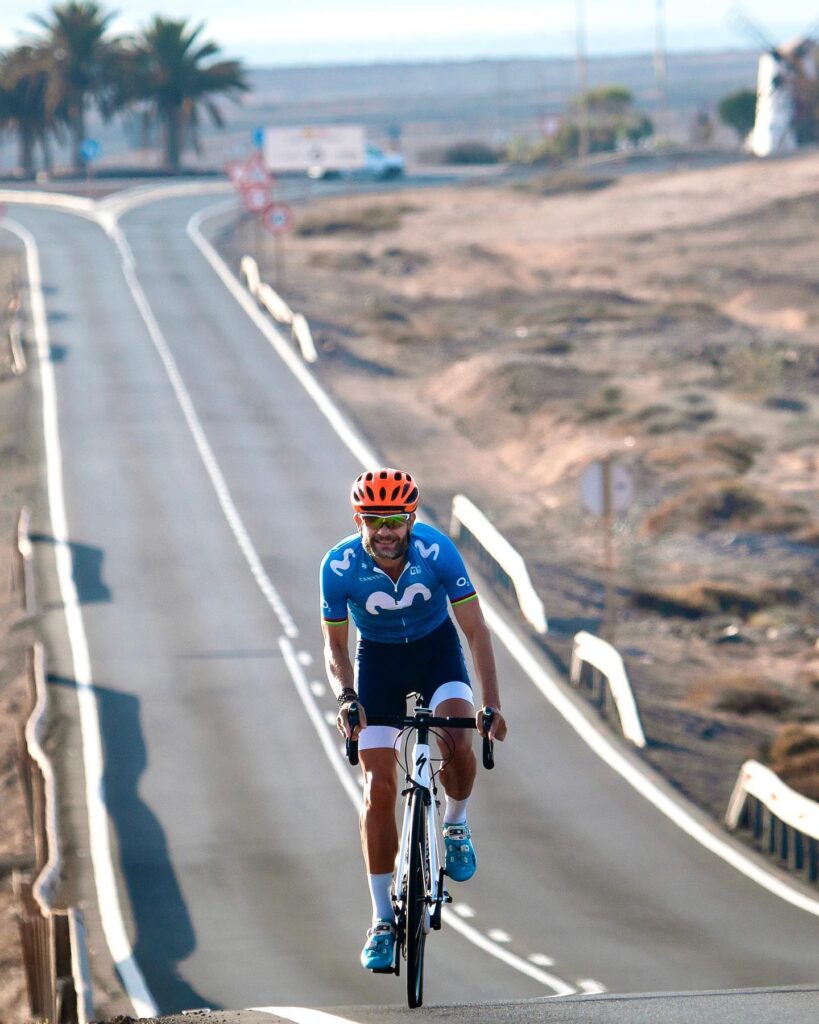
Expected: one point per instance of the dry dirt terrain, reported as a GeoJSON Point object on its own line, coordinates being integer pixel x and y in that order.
{"type": "Point", "coordinates": [16, 634]}
{"type": "Point", "coordinates": [496, 340]}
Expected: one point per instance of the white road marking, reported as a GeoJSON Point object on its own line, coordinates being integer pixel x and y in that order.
{"type": "Point", "coordinates": [499, 935]}
{"type": "Point", "coordinates": [362, 451]}
{"type": "Point", "coordinates": [591, 734]}
{"type": "Point", "coordinates": [330, 717]}
{"type": "Point", "coordinates": [602, 746]}
{"type": "Point", "coordinates": [302, 1015]}
{"type": "Point", "coordinates": [339, 764]}
{"type": "Point", "coordinates": [305, 658]}
{"type": "Point", "coordinates": [590, 987]}
{"type": "Point", "coordinates": [463, 910]}
{"type": "Point", "coordinates": [541, 960]}
{"type": "Point", "coordinates": [327, 740]}
{"type": "Point", "coordinates": [318, 689]}
{"type": "Point", "coordinates": [220, 486]}
{"type": "Point", "coordinates": [104, 876]}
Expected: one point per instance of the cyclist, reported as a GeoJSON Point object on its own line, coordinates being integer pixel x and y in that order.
{"type": "Point", "coordinates": [395, 575]}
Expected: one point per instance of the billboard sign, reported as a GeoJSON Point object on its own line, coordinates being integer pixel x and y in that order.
{"type": "Point", "coordinates": [337, 147]}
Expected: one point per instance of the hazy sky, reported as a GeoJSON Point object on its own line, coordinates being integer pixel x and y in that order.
{"type": "Point", "coordinates": [318, 31]}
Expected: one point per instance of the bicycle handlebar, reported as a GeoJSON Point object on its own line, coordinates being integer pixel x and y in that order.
{"type": "Point", "coordinates": [410, 721]}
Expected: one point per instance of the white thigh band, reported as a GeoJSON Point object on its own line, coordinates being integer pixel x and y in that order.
{"type": "Point", "coordinates": [448, 691]}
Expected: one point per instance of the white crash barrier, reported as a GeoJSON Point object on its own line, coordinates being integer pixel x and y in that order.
{"type": "Point", "coordinates": [606, 659]}
{"type": "Point", "coordinates": [464, 513]}
{"type": "Point", "coordinates": [249, 270]}
{"type": "Point", "coordinates": [302, 334]}
{"type": "Point", "coordinates": [274, 304]}
{"type": "Point", "coordinates": [784, 821]}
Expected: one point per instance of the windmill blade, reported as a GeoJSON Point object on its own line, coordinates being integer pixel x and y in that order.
{"type": "Point", "coordinates": [743, 22]}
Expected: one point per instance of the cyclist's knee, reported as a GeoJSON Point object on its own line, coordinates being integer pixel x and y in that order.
{"type": "Point", "coordinates": [380, 790]}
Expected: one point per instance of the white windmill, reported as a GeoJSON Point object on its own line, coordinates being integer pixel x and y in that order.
{"type": "Point", "coordinates": [781, 74]}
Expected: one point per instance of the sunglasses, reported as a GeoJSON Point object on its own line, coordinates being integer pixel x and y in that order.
{"type": "Point", "coordinates": [376, 522]}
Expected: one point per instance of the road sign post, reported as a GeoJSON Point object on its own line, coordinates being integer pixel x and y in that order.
{"type": "Point", "coordinates": [90, 151]}
{"type": "Point", "coordinates": [607, 488]}
{"type": "Point", "coordinates": [278, 219]}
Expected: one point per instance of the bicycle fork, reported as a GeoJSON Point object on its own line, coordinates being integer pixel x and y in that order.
{"type": "Point", "coordinates": [422, 781]}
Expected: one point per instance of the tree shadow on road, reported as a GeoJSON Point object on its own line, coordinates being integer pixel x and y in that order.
{"type": "Point", "coordinates": [162, 926]}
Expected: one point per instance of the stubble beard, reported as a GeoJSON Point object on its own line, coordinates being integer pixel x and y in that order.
{"type": "Point", "coordinates": [400, 549]}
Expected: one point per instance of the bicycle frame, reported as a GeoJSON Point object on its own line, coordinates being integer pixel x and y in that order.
{"type": "Point", "coordinates": [421, 778]}
{"type": "Point", "coordinates": [428, 875]}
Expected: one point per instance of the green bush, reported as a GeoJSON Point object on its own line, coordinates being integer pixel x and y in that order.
{"type": "Point", "coordinates": [465, 153]}
{"type": "Point", "coordinates": [738, 111]}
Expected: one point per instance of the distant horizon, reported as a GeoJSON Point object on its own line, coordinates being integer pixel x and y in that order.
{"type": "Point", "coordinates": [495, 59]}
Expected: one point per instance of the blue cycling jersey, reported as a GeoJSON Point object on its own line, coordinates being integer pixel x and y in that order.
{"type": "Point", "coordinates": [394, 612]}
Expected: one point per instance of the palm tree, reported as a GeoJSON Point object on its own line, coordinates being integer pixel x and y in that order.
{"type": "Point", "coordinates": [23, 86]}
{"type": "Point", "coordinates": [82, 65]}
{"type": "Point", "coordinates": [175, 73]}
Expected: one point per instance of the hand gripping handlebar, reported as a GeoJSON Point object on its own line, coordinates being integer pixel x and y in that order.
{"type": "Point", "coordinates": [351, 745]}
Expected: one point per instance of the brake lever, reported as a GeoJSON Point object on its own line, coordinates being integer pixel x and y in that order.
{"type": "Point", "coordinates": [351, 745]}
{"type": "Point", "coordinates": [488, 745]}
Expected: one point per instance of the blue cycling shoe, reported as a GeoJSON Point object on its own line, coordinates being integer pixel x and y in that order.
{"type": "Point", "coordinates": [461, 861]}
{"type": "Point", "coordinates": [378, 953]}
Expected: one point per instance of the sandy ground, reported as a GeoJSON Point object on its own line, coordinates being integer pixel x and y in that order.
{"type": "Point", "coordinates": [496, 340]}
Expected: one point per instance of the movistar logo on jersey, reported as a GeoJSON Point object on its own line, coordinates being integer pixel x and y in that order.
{"type": "Point", "coordinates": [342, 565]}
{"type": "Point", "coordinates": [379, 601]}
{"type": "Point", "coordinates": [433, 549]}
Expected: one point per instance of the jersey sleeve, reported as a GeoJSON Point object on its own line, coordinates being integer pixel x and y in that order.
{"type": "Point", "coordinates": [453, 574]}
{"type": "Point", "coordinates": [333, 595]}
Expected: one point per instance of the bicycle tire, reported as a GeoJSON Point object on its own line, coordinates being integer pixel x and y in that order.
{"type": "Point", "coordinates": [416, 907]}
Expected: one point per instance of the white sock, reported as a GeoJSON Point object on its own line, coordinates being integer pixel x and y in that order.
{"type": "Point", "coordinates": [455, 811]}
{"type": "Point", "coordinates": [380, 886]}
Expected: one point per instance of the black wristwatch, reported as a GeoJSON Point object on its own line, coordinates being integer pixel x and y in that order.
{"type": "Point", "coordinates": [346, 695]}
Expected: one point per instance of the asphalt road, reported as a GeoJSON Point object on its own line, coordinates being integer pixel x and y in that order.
{"type": "Point", "coordinates": [235, 844]}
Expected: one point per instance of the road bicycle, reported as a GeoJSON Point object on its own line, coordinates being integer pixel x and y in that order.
{"type": "Point", "coordinates": [418, 892]}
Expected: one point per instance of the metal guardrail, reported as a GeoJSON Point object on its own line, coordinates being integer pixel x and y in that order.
{"type": "Point", "coordinates": [278, 308]}
{"type": "Point", "coordinates": [607, 666]}
{"type": "Point", "coordinates": [489, 541]}
{"type": "Point", "coordinates": [52, 940]}
{"type": "Point", "coordinates": [783, 823]}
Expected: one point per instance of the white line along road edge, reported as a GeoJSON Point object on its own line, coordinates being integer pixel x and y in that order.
{"type": "Point", "coordinates": [590, 733]}
{"type": "Point", "coordinates": [274, 599]}
{"type": "Point", "coordinates": [102, 859]}
{"type": "Point", "coordinates": [104, 876]}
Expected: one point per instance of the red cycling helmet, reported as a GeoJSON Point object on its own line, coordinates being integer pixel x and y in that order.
{"type": "Point", "coordinates": [383, 491]}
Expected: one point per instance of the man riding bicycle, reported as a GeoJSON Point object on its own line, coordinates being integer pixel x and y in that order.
{"type": "Point", "coordinates": [395, 575]}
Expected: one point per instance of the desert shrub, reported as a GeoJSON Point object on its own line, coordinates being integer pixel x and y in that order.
{"type": "Point", "coordinates": [564, 182]}
{"type": "Point", "coordinates": [725, 504]}
{"type": "Point", "coordinates": [741, 701]}
{"type": "Point", "coordinates": [711, 597]}
{"type": "Point", "coordinates": [738, 111]}
{"type": "Point", "coordinates": [344, 261]}
{"type": "Point", "coordinates": [382, 310]}
{"type": "Point", "coordinates": [794, 757]}
{"type": "Point", "coordinates": [364, 220]}
{"type": "Point", "coordinates": [466, 153]}
{"type": "Point", "coordinates": [738, 452]}
{"type": "Point", "coordinates": [793, 741]}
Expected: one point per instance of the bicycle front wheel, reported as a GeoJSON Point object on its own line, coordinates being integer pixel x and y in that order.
{"type": "Point", "coordinates": [416, 907]}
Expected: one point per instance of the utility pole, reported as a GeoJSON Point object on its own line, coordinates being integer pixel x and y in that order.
{"type": "Point", "coordinates": [582, 83]}
{"type": "Point", "coordinates": [660, 64]}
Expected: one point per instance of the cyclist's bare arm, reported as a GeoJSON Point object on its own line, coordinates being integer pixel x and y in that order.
{"type": "Point", "coordinates": [470, 618]}
{"type": "Point", "coordinates": [339, 669]}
